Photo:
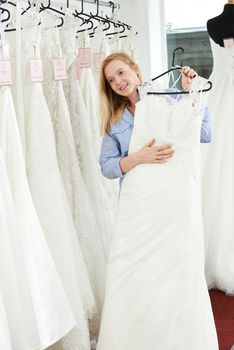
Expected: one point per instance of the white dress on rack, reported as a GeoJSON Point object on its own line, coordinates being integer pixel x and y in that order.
{"type": "Point", "coordinates": [104, 202]}
{"type": "Point", "coordinates": [77, 194]}
{"type": "Point", "coordinates": [37, 310]}
{"type": "Point", "coordinates": [5, 342]}
{"type": "Point", "coordinates": [93, 251]}
{"type": "Point", "coordinates": [156, 295]}
{"type": "Point", "coordinates": [52, 206]}
{"type": "Point", "coordinates": [218, 174]}
{"type": "Point", "coordinates": [90, 96]}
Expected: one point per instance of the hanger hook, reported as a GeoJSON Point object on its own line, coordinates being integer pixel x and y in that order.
{"type": "Point", "coordinates": [45, 7]}
{"type": "Point", "coordinates": [174, 54]}
{"type": "Point", "coordinates": [82, 7]}
{"type": "Point", "coordinates": [8, 14]}
{"type": "Point", "coordinates": [97, 10]}
{"type": "Point", "coordinates": [112, 4]}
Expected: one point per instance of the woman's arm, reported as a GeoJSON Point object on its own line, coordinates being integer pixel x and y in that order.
{"type": "Point", "coordinates": [147, 154]}
{"type": "Point", "coordinates": [109, 158]}
{"type": "Point", "coordinates": [114, 165]}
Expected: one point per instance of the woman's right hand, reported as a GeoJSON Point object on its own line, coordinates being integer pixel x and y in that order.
{"type": "Point", "coordinates": [151, 153]}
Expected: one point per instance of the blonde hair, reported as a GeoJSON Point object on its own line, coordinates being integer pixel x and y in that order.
{"type": "Point", "coordinates": [112, 105]}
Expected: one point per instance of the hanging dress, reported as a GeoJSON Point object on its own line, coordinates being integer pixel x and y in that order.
{"type": "Point", "coordinates": [94, 254]}
{"type": "Point", "coordinates": [218, 174]}
{"type": "Point", "coordinates": [5, 342]}
{"type": "Point", "coordinates": [32, 293]}
{"type": "Point", "coordinates": [156, 295]}
{"type": "Point", "coordinates": [51, 202]}
{"type": "Point", "coordinates": [76, 192]}
{"type": "Point", "coordinates": [104, 198]}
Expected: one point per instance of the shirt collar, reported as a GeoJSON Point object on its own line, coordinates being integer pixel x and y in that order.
{"type": "Point", "coordinates": [128, 117]}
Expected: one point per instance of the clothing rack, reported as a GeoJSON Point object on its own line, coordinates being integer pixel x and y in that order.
{"type": "Point", "coordinates": [103, 3]}
{"type": "Point", "coordinates": [95, 2]}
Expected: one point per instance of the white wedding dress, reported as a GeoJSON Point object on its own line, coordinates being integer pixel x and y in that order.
{"type": "Point", "coordinates": [156, 293]}
{"type": "Point", "coordinates": [80, 201]}
{"type": "Point", "coordinates": [94, 254]}
{"type": "Point", "coordinates": [5, 342]}
{"type": "Point", "coordinates": [53, 209]}
{"type": "Point", "coordinates": [37, 310]}
{"type": "Point", "coordinates": [104, 198]}
{"type": "Point", "coordinates": [218, 174]}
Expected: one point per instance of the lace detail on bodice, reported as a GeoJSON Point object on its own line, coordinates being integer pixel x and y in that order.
{"type": "Point", "coordinates": [171, 121]}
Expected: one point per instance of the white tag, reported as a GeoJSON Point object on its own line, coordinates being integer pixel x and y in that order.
{"type": "Point", "coordinates": [36, 70]}
{"type": "Point", "coordinates": [60, 72]}
{"type": "Point", "coordinates": [5, 72]}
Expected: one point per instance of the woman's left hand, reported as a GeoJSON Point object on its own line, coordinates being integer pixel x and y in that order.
{"type": "Point", "coordinates": [187, 75]}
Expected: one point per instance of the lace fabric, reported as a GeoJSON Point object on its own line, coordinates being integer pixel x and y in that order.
{"type": "Point", "coordinates": [53, 207]}
{"type": "Point", "coordinates": [95, 248]}
{"type": "Point", "coordinates": [158, 241]}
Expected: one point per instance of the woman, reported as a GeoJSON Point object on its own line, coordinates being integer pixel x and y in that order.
{"type": "Point", "coordinates": [119, 79]}
{"type": "Point", "coordinates": [156, 294]}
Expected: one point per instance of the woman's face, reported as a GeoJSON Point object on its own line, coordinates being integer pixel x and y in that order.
{"type": "Point", "coordinates": [123, 79]}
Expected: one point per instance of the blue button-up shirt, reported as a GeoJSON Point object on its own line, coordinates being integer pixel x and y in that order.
{"type": "Point", "coordinates": [115, 143]}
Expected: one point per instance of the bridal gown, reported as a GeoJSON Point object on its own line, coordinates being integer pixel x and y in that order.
{"type": "Point", "coordinates": [218, 174]}
{"type": "Point", "coordinates": [156, 294]}
{"type": "Point", "coordinates": [52, 205]}
{"type": "Point", "coordinates": [103, 193]}
{"type": "Point", "coordinates": [37, 310]}
{"type": "Point", "coordinates": [75, 187]}
{"type": "Point", "coordinates": [94, 254]}
{"type": "Point", "coordinates": [5, 342]}
{"type": "Point", "coordinates": [104, 203]}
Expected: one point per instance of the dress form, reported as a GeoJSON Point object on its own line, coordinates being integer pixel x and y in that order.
{"type": "Point", "coordinates": [222, 26]}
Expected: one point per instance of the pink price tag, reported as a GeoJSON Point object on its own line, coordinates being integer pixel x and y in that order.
{"type": "Point", "coordinates": [60, 72]}
{"type": "Point", "coordinates": [77, 68]}
{"type": "Point", "coordinates": [229, 42]}
{"type": "Point", "coordinates": [5, 72]}
{"type": "Point", "coordinates": [85, 57]}
{"type": "Point", "coordinates": [36, 70]}
{"type": "Point", "coordinates": [98, 58]}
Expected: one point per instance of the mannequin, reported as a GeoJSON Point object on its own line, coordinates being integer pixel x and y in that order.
{"type": "Point", "coordinates": [218, 169]}
{"type": "Point", "coordinates": [222, 26]}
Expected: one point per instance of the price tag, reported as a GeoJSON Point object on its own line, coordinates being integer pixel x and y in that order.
{"type": "Point", "coordinates": [229, 42]}
{"type": "Point", "coordinates": [36, 70]}
{"type": "Point", "coordinates": [5, 72]}
{"type": "Point", "coordinates": [60, 72]}
{"type": "Point", "coordinates": [98, 58]}
{"type": "Point", "coordinates": [85, 57]}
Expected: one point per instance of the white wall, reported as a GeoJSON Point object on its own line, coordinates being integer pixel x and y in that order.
{"type": "Point", "coordinates": [147, 17]}
{"type": "Point", "coordinates": [190, 13]}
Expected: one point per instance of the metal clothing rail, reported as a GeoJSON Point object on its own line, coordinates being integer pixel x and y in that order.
{"type": "Point", "coordinates": [103, 3]}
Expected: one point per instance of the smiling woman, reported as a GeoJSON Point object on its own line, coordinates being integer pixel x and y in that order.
{"type": "Point", "coordinates": [155, 281]}
{"type": "Point", "coordinates": [119, 72]}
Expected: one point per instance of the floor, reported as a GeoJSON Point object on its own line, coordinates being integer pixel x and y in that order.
{"type": "Point", "coordinates": [223, 309]}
